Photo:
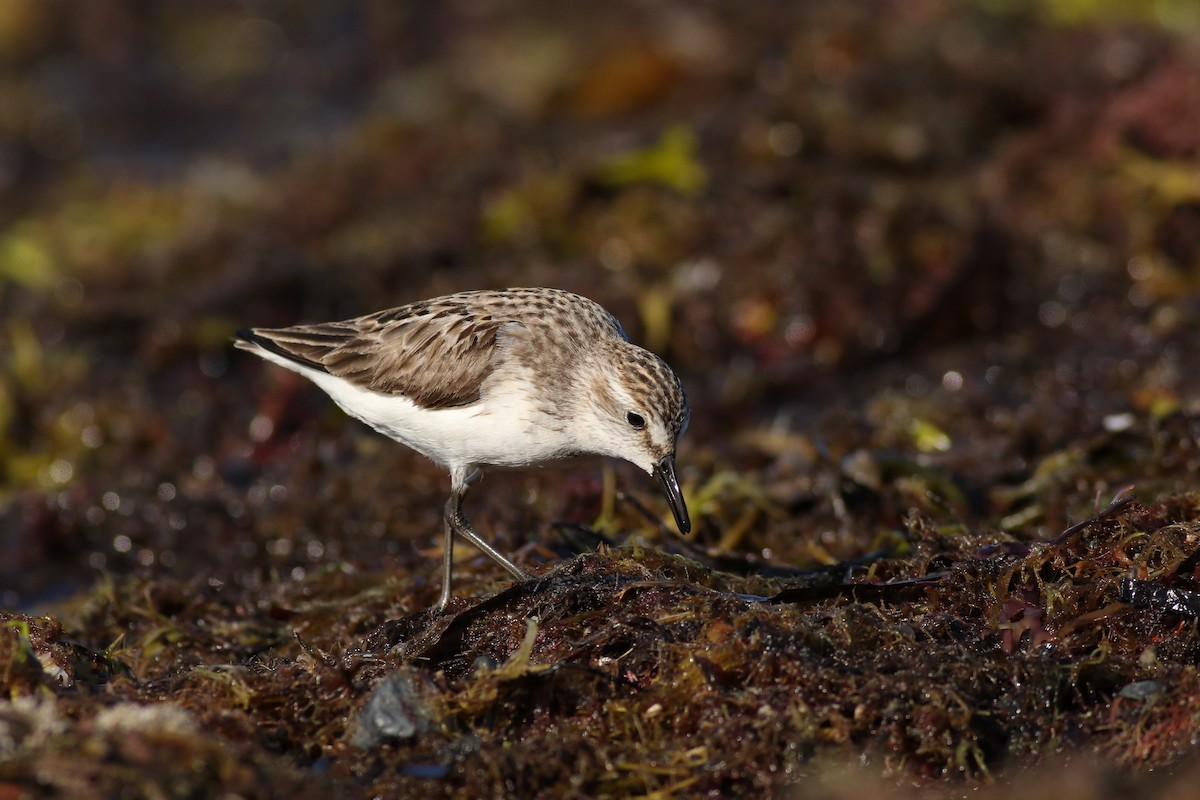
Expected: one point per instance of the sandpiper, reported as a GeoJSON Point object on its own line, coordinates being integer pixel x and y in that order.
{"type": "Point", "coordinates": [510, 378]}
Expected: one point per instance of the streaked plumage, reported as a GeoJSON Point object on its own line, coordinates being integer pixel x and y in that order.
{"type": "Point", "coordinates": [511, 378]}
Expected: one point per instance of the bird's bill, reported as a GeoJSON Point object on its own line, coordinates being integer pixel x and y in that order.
{"type": "Point", "coordinates": [664, 471]}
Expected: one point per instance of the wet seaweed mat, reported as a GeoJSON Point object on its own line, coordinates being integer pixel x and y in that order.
{"type": "Point", "coordinates": [632, 672]}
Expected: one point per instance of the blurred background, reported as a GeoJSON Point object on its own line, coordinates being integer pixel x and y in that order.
{"type": "Point", "coordinates": [930, 254]}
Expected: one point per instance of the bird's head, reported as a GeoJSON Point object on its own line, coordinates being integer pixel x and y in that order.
{"type": "Point", "coordinates": [638, 411]}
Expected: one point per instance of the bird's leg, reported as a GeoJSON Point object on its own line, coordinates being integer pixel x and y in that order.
{"type": "Point", "coordinates": [447, 559]}
{"type": "Point", "coordinates": [462, 526]}
{"type": "Point", "coordinates": [457, 523]}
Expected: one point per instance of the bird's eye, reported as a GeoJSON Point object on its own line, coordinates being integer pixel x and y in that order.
{"type": "Point", "coordinates": [636, 420]}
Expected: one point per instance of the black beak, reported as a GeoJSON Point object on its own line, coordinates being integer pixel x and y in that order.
{"type": "Point", "coordinates": [664, 471]}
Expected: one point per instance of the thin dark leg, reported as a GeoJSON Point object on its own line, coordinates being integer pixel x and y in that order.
{"type": "Point", "coordinates": [447, 559]}
{"type": "Point", "coordinates": [456, 522]}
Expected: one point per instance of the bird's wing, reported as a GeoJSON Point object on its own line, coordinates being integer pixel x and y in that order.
{"type": "Point", "coordinates": [436, 355]}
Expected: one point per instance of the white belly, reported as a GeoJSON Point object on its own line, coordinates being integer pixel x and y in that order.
{"type": "Point", "coordinates": [506, 431]}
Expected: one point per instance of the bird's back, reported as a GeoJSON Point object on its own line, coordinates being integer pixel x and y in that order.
{"type": "Point", "coordinates": [437, 353]}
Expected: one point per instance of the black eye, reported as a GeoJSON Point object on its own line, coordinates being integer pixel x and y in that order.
{"type": "Point", "coordinates": [636, 420]}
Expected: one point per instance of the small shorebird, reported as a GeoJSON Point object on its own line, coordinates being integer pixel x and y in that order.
{"type": "Point", "coordinates": [510, 378]}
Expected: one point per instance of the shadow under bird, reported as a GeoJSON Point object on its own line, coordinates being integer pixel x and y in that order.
{"type": "Point", "coordinates": [510, 378]}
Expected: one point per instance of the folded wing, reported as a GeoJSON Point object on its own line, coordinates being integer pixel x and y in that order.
{"type": "Point", "coordinates": [438, 357]}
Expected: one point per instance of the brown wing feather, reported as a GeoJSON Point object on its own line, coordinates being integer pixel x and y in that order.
{"type": "Point", "coordinates": [437, 362]}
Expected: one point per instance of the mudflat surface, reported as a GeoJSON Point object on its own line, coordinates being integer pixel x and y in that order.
{"type": "Point", "coordinates": [928, 271]}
